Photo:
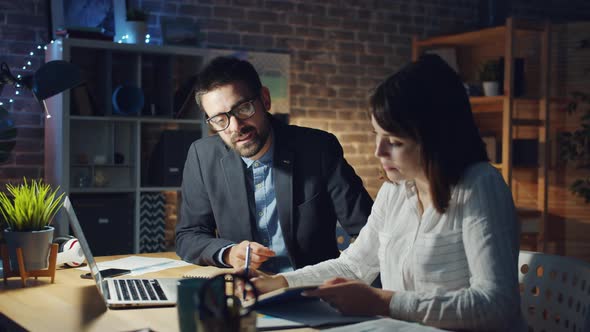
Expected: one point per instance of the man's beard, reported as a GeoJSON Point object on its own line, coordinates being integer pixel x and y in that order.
{"type": "Point", "coordinates": [253, 146]}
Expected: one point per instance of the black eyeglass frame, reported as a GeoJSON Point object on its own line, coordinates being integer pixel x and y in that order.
{"type": "Point", "coordinates": [233, 112]}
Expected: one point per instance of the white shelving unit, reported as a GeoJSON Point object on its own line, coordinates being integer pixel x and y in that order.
{"type": "Point", "coordinates": [93, 152]}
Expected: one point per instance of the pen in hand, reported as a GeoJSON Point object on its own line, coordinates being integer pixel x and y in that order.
{"type": "Point", "coordinates": [246, 267]}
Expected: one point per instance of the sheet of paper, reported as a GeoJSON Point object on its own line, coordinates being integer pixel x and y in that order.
{"type": "Point", "coordinates": [384, 325]}
{"type": "Point", "coordinates": [140, 265]}
{"type": "Point", "coordinates": [265, 322]}
{"type": "Point", "coordinates": [311, 312]}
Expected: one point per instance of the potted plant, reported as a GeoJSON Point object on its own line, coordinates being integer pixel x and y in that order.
{"type": "Point", "coordinates": [135, 25]}
{"type": "Point", "coordinates": [27, 214]}
{"type": "Point", "coordinates": [489, 75]}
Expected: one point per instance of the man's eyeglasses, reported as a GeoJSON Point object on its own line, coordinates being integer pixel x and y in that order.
{"type": "Point", "coordinates": [243, 111]}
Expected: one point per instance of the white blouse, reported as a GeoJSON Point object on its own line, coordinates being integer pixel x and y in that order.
{"type": "Point", "coordinates": [456, 270]}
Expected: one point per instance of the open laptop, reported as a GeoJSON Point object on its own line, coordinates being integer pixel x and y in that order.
{"type": "Point", "coordinates": [123, 292]}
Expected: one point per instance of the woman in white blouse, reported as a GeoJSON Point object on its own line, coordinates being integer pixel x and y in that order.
{"type": "Point", "coordinates": [443, 232]}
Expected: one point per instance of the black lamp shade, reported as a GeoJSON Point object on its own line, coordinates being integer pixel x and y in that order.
{"type": "Point", "coordinates": [55, 77]}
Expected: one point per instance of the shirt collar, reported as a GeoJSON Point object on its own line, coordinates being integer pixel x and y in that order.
{"type": "Point", "coordinates": [410, 188]}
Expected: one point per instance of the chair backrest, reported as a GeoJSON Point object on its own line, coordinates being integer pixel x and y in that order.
{"type": "Point", "coordinates": [555, 292]}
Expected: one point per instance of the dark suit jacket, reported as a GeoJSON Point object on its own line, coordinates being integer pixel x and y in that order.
{"type": "Point", "coordinates": [314, 188]}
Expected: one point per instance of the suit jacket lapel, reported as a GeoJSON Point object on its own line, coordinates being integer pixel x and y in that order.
{"type": "Point", "coordinates": [283, 173]}
{"type": "Point", "coordinates": [233, 169]}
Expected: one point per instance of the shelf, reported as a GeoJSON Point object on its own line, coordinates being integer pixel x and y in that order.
{"type": "Point", "coordinates": [133, 119]}
{"type": "Point", "coordinates": [467, 38]}
{"type": "Point", "coordinates": [156, 189]}
{"type": "Point", "coordinates": [102, 165]}
{"type": "Point", "coordinates": [483, 36]}
{"type": "Point", "coordinates": [497, 165]}
{"type": "Point", "coordinates": [93, 190]}
{"type": "Point", "coordinates": [496, 104]}
{"type": "Point", "coordinates": [507, 118]}
{"type": "Point", "coordinates": [529, 220]}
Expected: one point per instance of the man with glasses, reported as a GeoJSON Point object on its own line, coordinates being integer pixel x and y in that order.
{"type": "Point", "coordinates": [277, 188]}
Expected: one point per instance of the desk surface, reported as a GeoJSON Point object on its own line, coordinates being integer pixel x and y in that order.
{"type": "Point", "coordinates": [73, 304]}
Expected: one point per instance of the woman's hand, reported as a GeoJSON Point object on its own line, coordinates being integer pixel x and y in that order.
{"type": "Point", "coordinates": [263, 282]}
{"type": "Point", "coordinates": [352, 297]}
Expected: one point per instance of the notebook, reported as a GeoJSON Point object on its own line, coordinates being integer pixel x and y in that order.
{"type": "Point", "coordinates": [123, 293]}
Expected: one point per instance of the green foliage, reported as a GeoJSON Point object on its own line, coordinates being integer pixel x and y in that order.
{"type": "Point", "coordinates": [489, 71]}
{"type": "Point", "coordinates": [7, 134]}
{"type": "Point", "coordinates": [575, 145]}
{"type": "Point", "coordinates": [136, 14]}
{"type": "Point", "coordinates": [31, 207]}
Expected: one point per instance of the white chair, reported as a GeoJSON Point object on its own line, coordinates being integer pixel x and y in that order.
{"type": "Point", "coordinates": [555, 292]}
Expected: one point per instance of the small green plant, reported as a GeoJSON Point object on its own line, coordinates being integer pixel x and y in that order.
{"type": "Point", "coordinates": [575, 144]}
{"type": "Point", "coordinates": [32, 206]}
{"type": "Point", "coordinates": [136, 14]}
{"type": "Point", "coordinates": [490, 71]}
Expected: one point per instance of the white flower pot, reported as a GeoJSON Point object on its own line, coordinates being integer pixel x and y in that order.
{"type": "Point", "coordinates": [491, 89]}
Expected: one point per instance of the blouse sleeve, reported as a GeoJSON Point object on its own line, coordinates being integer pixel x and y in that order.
{"type": "Point", "coordinates": [358, 261]}
{"type": "Point", "coordinates": [491, 239]}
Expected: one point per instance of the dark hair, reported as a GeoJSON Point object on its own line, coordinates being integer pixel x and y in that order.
{"type": "Point", "coordinates": [427, 102]}
{"type": "Point", "coordinates": [224, 70]}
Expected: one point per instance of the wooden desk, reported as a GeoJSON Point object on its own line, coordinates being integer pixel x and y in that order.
{"type": "Point", "coordinates": [74, 304]}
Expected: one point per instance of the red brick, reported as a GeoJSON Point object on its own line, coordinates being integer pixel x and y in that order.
{"type": "Point", "coordinates": [260, 41]}
{"type": "Point", "coordinates": [350, 47]}
{"type": "Point", "coordinates": [352, 70]}
{"type": "Point", "coordinates": [312, 79]}
{"type": "Point", "coordinates": [322, 91]}
{"type": "Point", "coordinates": [289, 43]}
{"type": "Point", "coordinates": [342, 81]}
{"type": "Point", "coordinates": [321, 68]}
{"type": "Point", "coordinates": [297, 19]}
{"type": "Point", "coordinates": [246, 26]}
{"type": "Point", "coordinates": [345, 58]}
{"type": "Point", "coordinates": [214, 24]}
{"type": "Point", "coordinates": [222, 38]}
{"type": "Point", "coordinates": [262, 16]}
{"type": "Point", "coordinates": [313, 102]}
{"type": "Point", "coordinates": [277, 29]}
{"type": "Point", "coordinates": [323, 21]}
{"type": "Point", "coordinates": [228, 12]}
{"type": "Point", "coordinates": [314, 9]}
{"type": "Point", "coordinates": [319, 114]}
{"type": "Point", "coordinates": [279, 5]}
{"type": "Point", "coordinates": [340, 35]}
{"type": "Point", "coordinates": [309, 32]}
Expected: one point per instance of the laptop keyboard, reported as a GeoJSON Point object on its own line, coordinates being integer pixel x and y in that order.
{"type": "Point", "coordinates": [135, 289]}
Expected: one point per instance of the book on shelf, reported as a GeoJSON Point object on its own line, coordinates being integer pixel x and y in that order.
{"type": "Point", "coordinates": [83, 104]}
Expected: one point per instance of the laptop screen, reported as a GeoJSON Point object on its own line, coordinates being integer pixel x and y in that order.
{"type": "Point", "coordinates": [78, 233]}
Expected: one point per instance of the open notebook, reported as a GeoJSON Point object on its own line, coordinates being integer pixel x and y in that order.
{"type": "Point", "coordinates": [123, 293]}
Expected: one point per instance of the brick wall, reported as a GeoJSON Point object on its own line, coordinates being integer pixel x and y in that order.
{"type": "Point", "coordinates": [340, 49]}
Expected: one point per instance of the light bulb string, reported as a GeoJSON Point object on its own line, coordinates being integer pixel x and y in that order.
{"type": "Point", "coordinates": [16, 79]}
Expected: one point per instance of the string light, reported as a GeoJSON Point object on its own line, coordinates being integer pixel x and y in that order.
{"type": "Point", "coordinates": [125, 38]}
{"type": "Point", "coordinates": [27, 66]}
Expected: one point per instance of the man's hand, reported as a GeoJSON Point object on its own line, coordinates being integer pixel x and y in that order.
{"type": "Point", "coordinates": [353, 297]}
{"type": "Point", "coordinates": [236, 255]}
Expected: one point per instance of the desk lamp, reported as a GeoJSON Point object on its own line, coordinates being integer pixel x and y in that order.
{"type": "Point", "coordinates": [50, 79]}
